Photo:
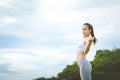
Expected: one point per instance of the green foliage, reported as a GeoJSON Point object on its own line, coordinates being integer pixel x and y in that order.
{"type": "Point", "coordinates": [106, 66]}
{"type": "Point", "coordinates": [71, 72]}
{"type": "Point", "coordinates": [42, 78]}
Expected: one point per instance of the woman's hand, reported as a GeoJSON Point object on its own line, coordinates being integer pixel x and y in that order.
{"type": "Point", "coordinates": [91, 39]}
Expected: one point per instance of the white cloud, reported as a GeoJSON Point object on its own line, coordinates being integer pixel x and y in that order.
{"type": "Point", "coordinates": [57, 10]}
{"type": "Point", "coordinates": [6, 21]}
{"type": "Point", "coordinates": [18, 62]}
{"type": "Point", "coordinates": [40, 61]}
{"type": "Point", "coordinates": [6, 3]}
{"type": "Point", "coordinates": [31, 58]}
{"type": "Point", "coordinates": [55, 21]}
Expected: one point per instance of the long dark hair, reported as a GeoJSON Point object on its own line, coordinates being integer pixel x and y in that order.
{"type": "Point", "coordinates": [92, 31]}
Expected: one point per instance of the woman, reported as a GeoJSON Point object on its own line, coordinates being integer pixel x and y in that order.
{"type": "Point", "coordinates": [83, 49]}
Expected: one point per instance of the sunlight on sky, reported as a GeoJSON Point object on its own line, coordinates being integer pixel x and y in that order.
{"type": "Point", "coordinates": [39, 37]}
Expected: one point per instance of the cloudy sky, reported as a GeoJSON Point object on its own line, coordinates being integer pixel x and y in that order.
{"type": "Point", "coordinates": [39, 37]}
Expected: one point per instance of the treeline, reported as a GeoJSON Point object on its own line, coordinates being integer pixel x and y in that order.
{"type": "Point", "coordinates": [105, 66]}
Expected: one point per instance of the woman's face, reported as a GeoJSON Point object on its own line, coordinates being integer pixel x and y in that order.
{"type": "Point", "coordinates": [86, 31]}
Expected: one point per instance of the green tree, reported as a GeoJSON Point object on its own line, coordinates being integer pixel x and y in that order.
{"type": "Point", "coordinates": [41, 78]}
{"type": "Point", "coordinates": [71, 72]}
{"type": "Point", "coordinates": [105, 66]}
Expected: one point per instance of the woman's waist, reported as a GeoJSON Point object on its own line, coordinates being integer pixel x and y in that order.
{"type": "Point", "coordinates": [83, 61]}
{"type": "Point", "coordinates": [80, 57]}
{"type": "Point", "coordinates": [80, 54]}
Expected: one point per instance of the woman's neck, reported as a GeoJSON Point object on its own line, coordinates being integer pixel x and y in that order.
{"type": "Point", "coordinates": [86, 37]}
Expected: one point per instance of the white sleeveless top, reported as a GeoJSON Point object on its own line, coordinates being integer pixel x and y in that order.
{"type": "Point", "coordinates": [80, 46]}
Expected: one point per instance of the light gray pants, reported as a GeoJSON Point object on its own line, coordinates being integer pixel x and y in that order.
{"type": "Point", "coordinates": [85, 69]}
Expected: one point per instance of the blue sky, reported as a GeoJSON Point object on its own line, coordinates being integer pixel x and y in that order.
{"type": "Point", "coordinates": [39, 37]}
